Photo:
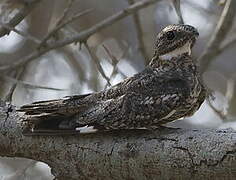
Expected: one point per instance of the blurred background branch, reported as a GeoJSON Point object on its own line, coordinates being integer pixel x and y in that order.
{"type": "Point", "coordinates": [140, 34]}
{"type": "Point", "coordinates": [221, 31]}
{"type": "Point", "coordinates": [82, 36]}
{"type": "Point", "coordinates": [12, 12]}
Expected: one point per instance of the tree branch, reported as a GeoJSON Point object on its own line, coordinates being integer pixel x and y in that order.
{"type": "Point", "coordinates": [82, 36]}
{"type": "Point", "coordinates": [97, 63]}
{"type": "Point", "coordinates": [223, 27]}
{"type": "Point", "coordinates": [12, 12]}
{"type": "Point", "coordinates": [131, 154]}
{"type": "Point", "coordinates": [176, 4]}
{"type": "Point", "coordinates": [140, 34]}
{"type": "Point", "coordinates": [60, 24]}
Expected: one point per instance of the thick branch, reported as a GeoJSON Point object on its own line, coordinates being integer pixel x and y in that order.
{"type": "Point", "coordinates": [133, 154]}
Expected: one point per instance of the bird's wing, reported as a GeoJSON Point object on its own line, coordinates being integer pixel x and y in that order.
{"type": "Point", "coordinates": [147, 95]}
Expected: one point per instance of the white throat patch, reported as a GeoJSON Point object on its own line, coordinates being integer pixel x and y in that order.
{"type": "Point", "coordinates": [184, 49]}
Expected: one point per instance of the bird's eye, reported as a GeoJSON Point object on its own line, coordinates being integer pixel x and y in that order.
{"type": "Point", "coordinates": [170, 35]}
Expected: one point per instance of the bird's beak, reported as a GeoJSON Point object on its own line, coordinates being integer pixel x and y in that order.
{"type": "Point", "coordinates": [196, 33]}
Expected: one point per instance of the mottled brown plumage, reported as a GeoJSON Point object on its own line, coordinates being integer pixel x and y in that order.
{"type": "Point", "coordinates": [169, 88]}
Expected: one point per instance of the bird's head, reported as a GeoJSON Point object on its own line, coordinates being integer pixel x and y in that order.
{"type": "Point", "coordinates": [174, 40]}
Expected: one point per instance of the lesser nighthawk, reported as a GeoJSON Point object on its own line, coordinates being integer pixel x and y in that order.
{"type": "Point", "coordinates": [168, 89]}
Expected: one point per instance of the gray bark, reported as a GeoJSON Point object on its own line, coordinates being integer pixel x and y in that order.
{"type": "Point", "coordinates": [134, 154]}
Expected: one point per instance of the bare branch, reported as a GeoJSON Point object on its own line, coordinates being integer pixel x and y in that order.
{"type": "Point", "coordinates": [176, 4]}
{"type": "Point", "coordinates": [228, 45]}
{"type": "Point", "coordinates": [223, 27]}
{"type": "Point", "coordinates": [12, 12]}
{"type": "Point", "coordinates": [73, 60]}
{"type": "Point", "coordinates": [65, 13]}
{"type": "Point", "coordinates": [200, 8]}
{"type": "Point", "coordinates": [141, 44]}
{"type": "Point", "coordinates": [21, 33]}
{"type": "Point", "coordinates": [63, 24]}
{"type": "Point", "coordinates": [114, 60]}
{"type": "Point", "coordinates": [97, 63]}
{"type": "Point", "coordinates": [219, 113]}
{"type": "Point", "coordinates": [225, 47]}
{"type": "Point", "coordinates": [16, 81]}
{"type": "Point", "coordinates": [130, 154]}
{"type": "Point", "coordinates": [82, 36]}
{"type": "Point", "coordinates": [19, 74]}
{"type": "Point", "coordinates": [114, 63]}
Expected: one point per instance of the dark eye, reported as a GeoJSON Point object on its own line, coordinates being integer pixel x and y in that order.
{"type": "Point", "coordinates": [170, 35]}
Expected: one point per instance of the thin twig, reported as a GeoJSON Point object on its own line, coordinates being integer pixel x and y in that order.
{"type": "Point", "coordinates": [228, 45]}
{"type": "Point", "coordinates": [223, 27]}
{"type": "Point", "coordinates": [218, 112]}
{"type": "Point", "coordinates": [74, 62]}
{"type": "Point", "coordinates": [141, 44]}
{"type": "Point", "coordinates": [18, 75]}
{"type": "Point", "coordinates": [60, 24]}
{"type": "Point", "coordinates": [65, 13]}
{"type": "Point", "coordinates": [21, 33]}
{"type": "Point", "coordinates": [176, 4]}
{"type": "Point", "coordinates": [82, 36]}
{"type": "Point", "coordinates": [225, 46]}
{"type": "Point", "coordinates": [29, 85]}
{"type": "Point", "coordinates": [213, 47]}
{"type": "Point", "coordinates": [114, 62]}
{"type": "Point", "coordinates": [201, 9]}
{"type": "Point", "coordinates": [97, 63]}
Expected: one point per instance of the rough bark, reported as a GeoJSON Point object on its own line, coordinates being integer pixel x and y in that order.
{"type": "Point", "coordinates": [136, 154]}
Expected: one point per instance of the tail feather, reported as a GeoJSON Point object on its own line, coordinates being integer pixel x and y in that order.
{"type": "Point", "coordinates": [63, 106]}
{"type": "Point", "coordinates": [50, 114]}
{"type": "Point", "coordinates": [43, 107]}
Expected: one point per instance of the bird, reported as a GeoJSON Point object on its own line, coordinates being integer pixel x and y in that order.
{"type": "Point", "coordinates": [168, 89]}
